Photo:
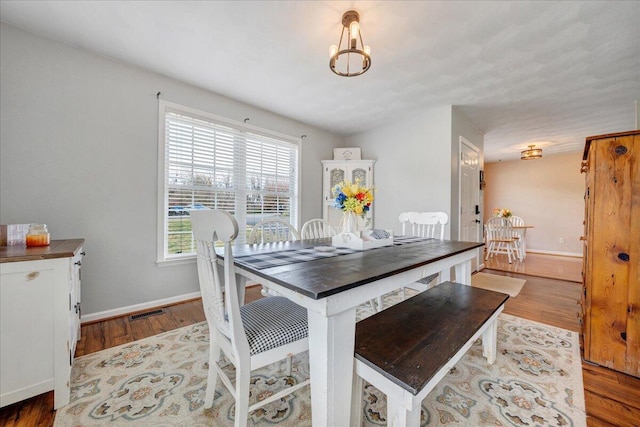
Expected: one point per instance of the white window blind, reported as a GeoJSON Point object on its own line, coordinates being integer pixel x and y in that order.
{"type": "Point", "coordinates": [211, 163]}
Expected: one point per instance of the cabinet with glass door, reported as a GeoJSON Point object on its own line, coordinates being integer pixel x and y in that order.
{"type": "Point", "coordinates": [333, 173]}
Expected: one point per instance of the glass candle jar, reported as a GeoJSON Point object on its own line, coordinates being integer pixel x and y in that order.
{"type": "Point", "coordinates": [37, 235]}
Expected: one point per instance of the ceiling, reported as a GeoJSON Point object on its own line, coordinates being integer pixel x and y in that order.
{"type": "Point", "coordinates": [545, 73]}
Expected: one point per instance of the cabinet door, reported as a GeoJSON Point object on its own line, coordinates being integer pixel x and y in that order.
{"type": "Point", "coordinates": [26, 330]}
{"type": "Point", "coordinates": [612, 266]}
{"type": "Point", "coordinates": [334, 172]}
{"type": "Point", "coordinates": [74, 306]}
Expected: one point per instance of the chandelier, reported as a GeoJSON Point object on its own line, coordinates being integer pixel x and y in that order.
{"type": "Point", "coordinates": [531, 153]}
{"type": "Point", "coordinates": [350, 60]}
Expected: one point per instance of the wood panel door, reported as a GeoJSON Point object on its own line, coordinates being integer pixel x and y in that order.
{"type": "Point", "coordinates": [612, 264]}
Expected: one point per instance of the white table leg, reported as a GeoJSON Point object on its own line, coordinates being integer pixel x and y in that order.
{"type": "Point", "coordinates": [490, 342]}
{"type": "Point", "coordinates": [398, 415]}
{"type": "Point", "coordinates": [241, 283]}
{"type": "Point", "coordinates": [331, 344]}
{"type": "Point", "coordinates": [463, 272]}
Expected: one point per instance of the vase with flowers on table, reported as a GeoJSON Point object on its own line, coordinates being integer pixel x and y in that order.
{"type": "Point", "coordinates": [354, 200]}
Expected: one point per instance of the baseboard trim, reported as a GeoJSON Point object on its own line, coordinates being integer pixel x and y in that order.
{"type": "Point", "coordinates": [117, 312]}
{"type": "Point", "coordinates": [567, 254]}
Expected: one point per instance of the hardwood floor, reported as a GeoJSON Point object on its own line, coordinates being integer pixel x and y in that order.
{"type": "Point", "coordinates": [612, 398]}
{"type": "Point", "coordinates": [541, 265]}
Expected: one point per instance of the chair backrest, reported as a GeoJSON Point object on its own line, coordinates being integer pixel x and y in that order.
{"type": "Point", "coordinates": [221, 310]}
{"type": "Point", "coordinates": [316, 229]}
{"type": "Point", "coordinates": [498, 228]}
{"type": "Point", "coordinates": [424, 224]}
{"type": "Point", "coordinates": [273, 230]}
{"type": "Point", "coordinates": [516, 220]}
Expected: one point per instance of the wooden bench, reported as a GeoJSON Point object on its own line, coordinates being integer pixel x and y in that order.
{"type": "Point", "coordinates": [405, 350]}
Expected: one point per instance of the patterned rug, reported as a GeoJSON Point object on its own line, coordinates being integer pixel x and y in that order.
{"type": "Point", "coordinates": [161, 381]}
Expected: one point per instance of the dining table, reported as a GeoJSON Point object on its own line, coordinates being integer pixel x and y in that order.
{"type": "Point", "coordinates": [331, 283]}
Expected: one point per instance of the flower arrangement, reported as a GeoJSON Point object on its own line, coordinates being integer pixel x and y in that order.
{"type": "Point", "coordinates": [353, 197]}
{"type": "Point", "coordinates": [504, 213]}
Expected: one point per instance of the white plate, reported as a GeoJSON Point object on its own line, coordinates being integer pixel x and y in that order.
{"type": "Point", "coordinates": [324, 248]}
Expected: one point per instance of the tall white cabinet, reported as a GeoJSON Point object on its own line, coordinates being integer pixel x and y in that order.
{"type": "Point", "coordinates": [39, 319]}
{"type": "Point", "coordinates": [336, 171]}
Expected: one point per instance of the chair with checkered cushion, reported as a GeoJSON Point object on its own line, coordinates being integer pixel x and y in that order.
{"type": "Point", "coordinates": [250, 336]}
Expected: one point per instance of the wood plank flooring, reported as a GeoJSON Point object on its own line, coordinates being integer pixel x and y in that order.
{"type": "Point", "coordinates": [612, 398]}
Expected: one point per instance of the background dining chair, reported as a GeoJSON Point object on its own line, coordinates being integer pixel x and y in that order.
{"type": "Point", "coordinates": [316, 229]}
{"type": "Point", "coordinates": [500, 238]}
{"type": "Point", "coordinates": [428, 225]}
{"type": "Point", "coordinates": [520, 233]}
{"type": "Point", "coordinates": [250, 336]}
{"type": "Point", "coordinates": [425, 225]}
{"type": "Point", "coordinates": [273, 230]}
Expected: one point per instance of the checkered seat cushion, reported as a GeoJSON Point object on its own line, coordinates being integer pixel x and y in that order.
{"type": "Point", "coordinates": [428, 279]}
{"type": "Point", "coordinates": [272, 322]}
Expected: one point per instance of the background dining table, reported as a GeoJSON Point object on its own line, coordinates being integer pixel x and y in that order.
{"type": "Point", "coordinates": [330, 285]}
{"type": "Point", "coordinates": [522, 234]}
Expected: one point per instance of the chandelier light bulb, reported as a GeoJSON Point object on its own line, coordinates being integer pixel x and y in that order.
{"type": "Point", "coordinates": [333, 49]}
{"type": "Point", "coordinates": [354, 30]}
{"type": "Point", "coordinates": [367, 50]}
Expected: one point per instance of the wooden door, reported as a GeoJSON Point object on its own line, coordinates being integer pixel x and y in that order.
{"type": "Point", "coordinates": [612, 330]}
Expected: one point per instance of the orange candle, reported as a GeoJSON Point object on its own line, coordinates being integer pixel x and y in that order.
{"type": "Point", "coordinates": [37, 235]}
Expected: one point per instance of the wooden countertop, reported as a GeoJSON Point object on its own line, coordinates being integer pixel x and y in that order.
{"type": "Point", "coordinates": [57, 249]}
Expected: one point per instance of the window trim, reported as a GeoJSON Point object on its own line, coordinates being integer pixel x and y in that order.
{"type": "Point", "coordinates": [162, 224]}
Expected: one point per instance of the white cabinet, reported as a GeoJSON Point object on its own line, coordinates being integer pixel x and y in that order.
{"type": "Point", "coordinates": [39, 319]}
{"type": "Point", "coordinates": [336, 171]}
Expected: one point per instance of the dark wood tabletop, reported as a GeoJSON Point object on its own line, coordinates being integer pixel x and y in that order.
{"type": "Point", "coordinates": [321, 278]}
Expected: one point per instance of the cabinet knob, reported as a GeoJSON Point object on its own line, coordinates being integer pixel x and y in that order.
{"type": "Point", "coordinates": [83, 253]}
{"type": "Point", "coordinates": [583, 238]}
{"type": "Point", "coordinates": [78, 263]}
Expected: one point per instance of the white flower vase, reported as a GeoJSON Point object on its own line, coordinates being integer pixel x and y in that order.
{"type": "Point", "coordinates": [349, 223]}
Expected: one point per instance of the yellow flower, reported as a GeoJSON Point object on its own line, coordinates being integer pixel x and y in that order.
{"type": "Point", "coordinates": [359, 209]}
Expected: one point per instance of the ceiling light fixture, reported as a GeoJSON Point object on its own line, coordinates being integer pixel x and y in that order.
{"type": "Point", "coordinates": [531, 153]}
{"type": "Point", "coordinates": [351, 60]}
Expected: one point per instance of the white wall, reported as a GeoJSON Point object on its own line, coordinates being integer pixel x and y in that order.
{"type": "Point", "coordinates": [78, 144]}
{"type": "Point", "coordinates": [413, 165]}
{"type": "Point", "coordinates": [548, 193]}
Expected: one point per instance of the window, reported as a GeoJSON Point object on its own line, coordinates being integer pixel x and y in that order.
{"type": "Point", "coordinates": [207, 162]}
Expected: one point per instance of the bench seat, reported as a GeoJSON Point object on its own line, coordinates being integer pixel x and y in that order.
{"type": "Point", "coordinates": [405, 350]}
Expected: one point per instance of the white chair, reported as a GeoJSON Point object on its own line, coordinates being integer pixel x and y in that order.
{"type": "Point", "coordinates": [250, 336]}
{"type": "Point", "coordinates": [273, 230]}
{"type": "Point", "coordinates": [500, 238]}
{"type": "Point", "coordinates": [316, 229]}
{"type": "Point", "coordinates": [520, 233]}
{"type": "Point", "coordinates": [426, 225]}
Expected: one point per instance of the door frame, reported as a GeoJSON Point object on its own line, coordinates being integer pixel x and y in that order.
{"type": "Point", "coordinates": [479, 237]}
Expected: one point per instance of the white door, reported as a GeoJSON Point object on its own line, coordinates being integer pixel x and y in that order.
{"type": "Point", "coordinates": [470, 224]}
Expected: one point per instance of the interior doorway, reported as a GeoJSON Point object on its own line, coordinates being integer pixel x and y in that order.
{"type": "Point", "coordinates": [470, 205]}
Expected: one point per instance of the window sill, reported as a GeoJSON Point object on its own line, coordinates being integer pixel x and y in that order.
{"type": "Point", "coordinates": [177, 261]}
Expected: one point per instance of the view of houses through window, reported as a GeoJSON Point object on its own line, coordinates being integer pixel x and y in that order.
{"type": "Point", "coordinates": [210, 163]}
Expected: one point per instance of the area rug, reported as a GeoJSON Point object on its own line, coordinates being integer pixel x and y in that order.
{"type": "Point", "coordinates": [494, 282]}
{"type": "Point", "coordinates": [161, 381]}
